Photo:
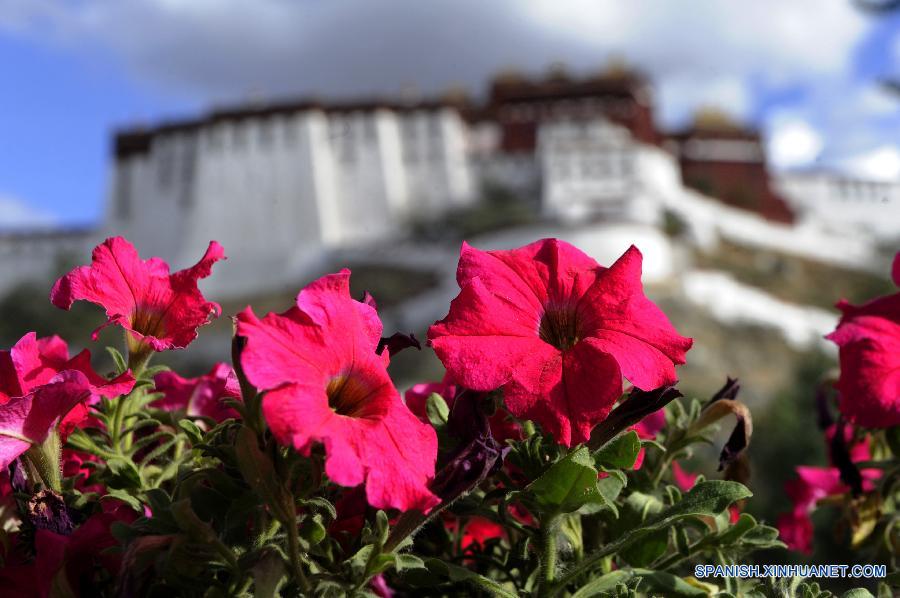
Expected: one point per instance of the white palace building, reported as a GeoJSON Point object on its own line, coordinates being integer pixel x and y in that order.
{"type": "Point", "coordinates": [281, 185]}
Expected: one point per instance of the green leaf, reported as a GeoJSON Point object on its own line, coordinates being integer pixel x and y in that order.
{"type": "Point", "coordinates": [569, 484]}
{"type": "Point", "coordinates": [320, 504]}
{"type": "Point", "coordinates": [667, 584]}
{"type": "Point", "coordinates": [360, 560]}
{"type": "Point", "coordinates": [312, 531]}
{"type": "Point", "coordinates": [82, 441]}
{"type": "Point", "coordinates": [660, 582]}
{"type": "Point", "coordinates": [761, 536]}
{"type": "Point", "coordinates": [603, 584]}
{"type": "Point", "coordinates": [456, 573]}
{"type": "Point", "coordinates": [382, 562]}
{"type": "Point", "coordinates": [705, 498]}
{"type": "Point", "coordinates": [437, 411]}
{"type": "Point", "coordinates": [124, 472]}
{"type": "Point", "coordinates": [128, 499]}
{"type": "Point", "coordinates": [158, 500]}
{"type": "Point", "coordinates": [610, 487]}
{"type": "Point", "coordinates": [194, 433]}
{"type": "Point", "coordinates": [259, 472]}
{"type": "Point", "coordinates": [641, 506]}
{"type": "Point", "coordinates": [406, 561]}
{"type": "Point", "coordinates": [652, 443]}
{"type": "Point", "coordinates": [619, 453]}
{"type": "Point", "coordinates": [121, 364]}
{"type": "Point", "coordinates": [651, 547]}
{"type": "Point", "coordinates": [151, 372]}
{"type": "Point", "coordinates": [857, 593]}
{"type": "Point", "coordinates": [382, 527]}
{"type": "Point", "coordinates": [743, 525]}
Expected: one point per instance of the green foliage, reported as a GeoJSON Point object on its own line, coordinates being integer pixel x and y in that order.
{"type": "Point", "coordinates": [224, 510]}
{"type": "Point", "coordinates": [568, 484]}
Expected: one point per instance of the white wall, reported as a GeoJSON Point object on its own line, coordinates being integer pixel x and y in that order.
{"type": "Point", "coordinates": [732, 302]}
{"type": "Point", "coordinates": [843, 204]}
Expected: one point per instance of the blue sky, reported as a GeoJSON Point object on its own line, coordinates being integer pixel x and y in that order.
{"type": "Point", "coordinates": [805, 71]}
{"type": "Point", "coordinates": [55, 122]}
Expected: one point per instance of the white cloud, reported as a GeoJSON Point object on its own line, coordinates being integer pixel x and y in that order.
{"type": "Point", "coordinates": [793, 143]}
{"type": "Point", "coordinates": [697, 52]}
{"type": "Point", "coordinates": [680, 97]}
{"type": "Point", "coordinates": [17, 213]}
{"type": "Point", "coordinates": [875, 100]}
{"type": "Point", "coordinates": [882, 163]}
{"type": "Point", "coordinates": [714, 36]}
{"type": "Point", "coordinates": [223, 49]}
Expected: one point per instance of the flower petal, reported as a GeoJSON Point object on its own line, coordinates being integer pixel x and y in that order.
{"type": "Point", "coordinates": [484, 338]}
{"type": "Point", "coordinates": [630, 327]}
{"type": "Point", "coordinates": [26, 420]}
{"type": "Point", "coordinates": [277, 350]}
{"type": "Point", "coordinates": [324, 301]}
{"type": "Point", "coordinates": [162, 310]}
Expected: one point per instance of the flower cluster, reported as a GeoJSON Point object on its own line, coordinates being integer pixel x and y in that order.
{"type": "Point", "coordinates": [547, 461]}
{"type": "Point", "coordinates": [864, 444]}
{"type": "Point", "coordinates": [556, 332]}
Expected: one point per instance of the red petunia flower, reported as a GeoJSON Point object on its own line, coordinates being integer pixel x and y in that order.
{"type": "Point", "coordinates": [557, 332]}
{"type": "Point", "coordinates": [159, 310]}
{"type": "Point", "coordinates": [201, 396]}
{"type": "Point", "coordinates": [40, 387]}
{"type": "Point", "coordinates": [325, 383]}
{"type": "Point", "coordinates": [76, 558]}
{"type": "Point", "coordinates": [869, 341]}
{"type": "Point", "coordinates": [478, 531]}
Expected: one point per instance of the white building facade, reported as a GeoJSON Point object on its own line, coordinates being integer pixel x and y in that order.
{"type": "Point", "coordinates": [594, 169]}
{"type": "Point", "coordinates": [278, 189]}
{"type": "Point", "coordinates": [845, 204]}
{"type": "Point", "coordinates": [281, 186]}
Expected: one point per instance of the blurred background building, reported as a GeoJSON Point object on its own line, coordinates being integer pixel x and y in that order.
{"type": "Point", "coordinates": [289, 184]}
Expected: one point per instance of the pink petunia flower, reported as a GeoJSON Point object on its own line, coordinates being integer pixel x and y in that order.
{"type": "Point", "coordinates": [379, 586]}
{"type": "Point", "coordinates": [685, 480]}
{"type": "Point", "coordinates": [325, 383]}
{"type": "Point", "coordinates": [41, 387]}
{"type": "Point", "coordinates": [869, 341]}
{"type": "Point", "coordinates": [159, 310]}
{"type": "Point", "coordinates": [813, 484]}
{"type": "Point", "coordinates": [556, 332]}
{"type": "Point", "coordinates": [201, 396]}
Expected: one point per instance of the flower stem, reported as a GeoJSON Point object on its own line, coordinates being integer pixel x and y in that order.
{"type": "Point", "coordinates": [408, 524]}
{"type": "Point", "coordinates": [549, 526]}
{"type": "Point", "coordinates": [296, 565]}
